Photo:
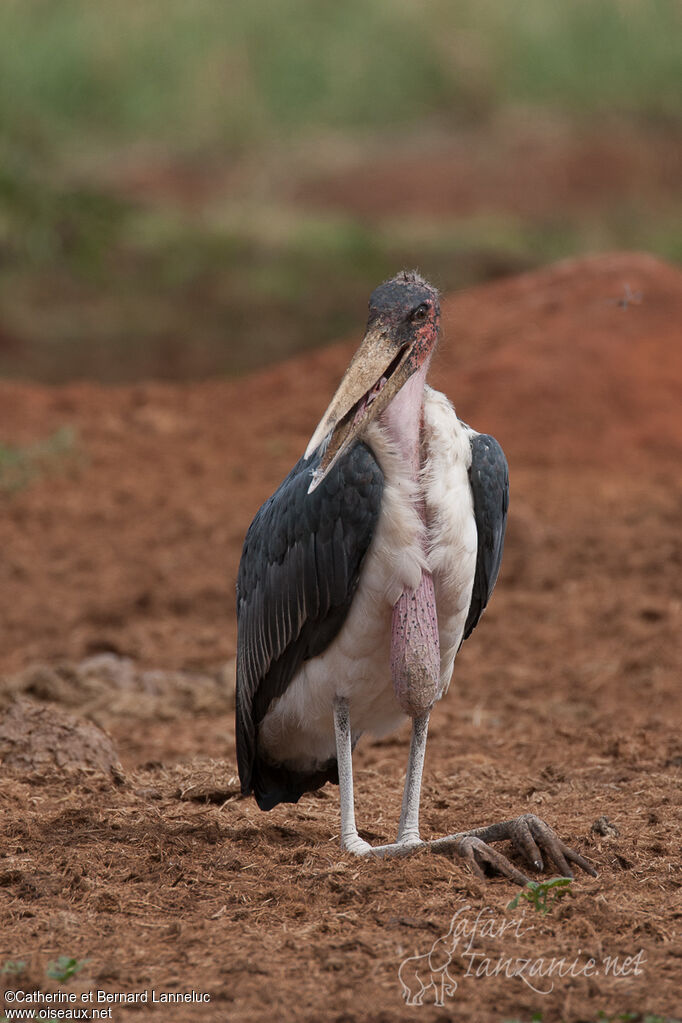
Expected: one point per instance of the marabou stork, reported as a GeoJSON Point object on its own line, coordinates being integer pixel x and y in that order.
{"type": "Point", "coordinates": [360, 578]}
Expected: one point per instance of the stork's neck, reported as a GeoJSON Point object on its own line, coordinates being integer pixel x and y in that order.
{"type": "Point", "coordinates": [403, 418]}
{"type": "Point", "coordinates": [415, 642]}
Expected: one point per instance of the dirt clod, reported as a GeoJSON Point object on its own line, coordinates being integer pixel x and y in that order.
{"type": "Point", "coordinates": [603, 826]}
{"type": "Point", "coordinates": [35, 739]}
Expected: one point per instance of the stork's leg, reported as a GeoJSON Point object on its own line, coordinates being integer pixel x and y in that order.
{"type": "Point", "coordinates": [350, 839]}
{"type": "Point", "coordinates": [408, 830]}
{"type": "Point", "coordinates": [529, 835]}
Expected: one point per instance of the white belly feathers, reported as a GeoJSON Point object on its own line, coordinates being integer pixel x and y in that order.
{"type": "Point", "coordinates": [298, 728]}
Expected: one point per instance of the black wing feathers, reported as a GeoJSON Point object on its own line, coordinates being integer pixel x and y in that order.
{"type": "Point", "coordinates": [299, 571]}
{"type": "Point", "coordinates": [489, 479]}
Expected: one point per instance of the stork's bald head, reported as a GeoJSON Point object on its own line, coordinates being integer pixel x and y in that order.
{"type": "Point", "coordinates": [402, 331]}
{"type": "Point", "coordinates": [403, 295]}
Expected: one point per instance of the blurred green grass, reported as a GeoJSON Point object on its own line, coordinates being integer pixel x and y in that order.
{"type": "Point", "coordinates": [20, 465]}
{"type": "Point", "coordinates": [244, 72]}
{"type": "Point", "coordinates": [95, 281]}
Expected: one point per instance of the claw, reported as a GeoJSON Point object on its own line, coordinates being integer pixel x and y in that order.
{"type": "Point", "coordinates": [524, 843]}
{"type": "Point", "coordinates": [531, 830]}
{"type": "Point", "coordinates": [531, 838]}
{"type": "Point", "coordinates": [469, 847]}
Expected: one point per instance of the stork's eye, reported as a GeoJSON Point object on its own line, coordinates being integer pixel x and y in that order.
{"type": "Point", "coordinates": [420, 313]}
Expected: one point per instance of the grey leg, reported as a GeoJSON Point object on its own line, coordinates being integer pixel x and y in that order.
{"type": "Point", "coordinates": [408, 830]}
{"type": "Point", "coordinates": [350, 839]}
{"type": "Point", "coordinates": [530, 836]}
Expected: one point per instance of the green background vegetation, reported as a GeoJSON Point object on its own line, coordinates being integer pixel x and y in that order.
{"type": "Point", "coordinates": [242, 99]}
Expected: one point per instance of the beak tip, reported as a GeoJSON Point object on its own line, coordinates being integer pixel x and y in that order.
{"type": "Point", "coordinates": [322, 433]}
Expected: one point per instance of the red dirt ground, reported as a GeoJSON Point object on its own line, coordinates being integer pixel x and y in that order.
{"type": "Point", "coordinates": [117, 607]}
{"type": "Point", "coordinates": [524, 167]}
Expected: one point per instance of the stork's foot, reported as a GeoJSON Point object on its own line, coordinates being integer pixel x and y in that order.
{"type": "Point", "coordinates": [529, 835]}
{"type": "Point", "coordinates": [358, 846]}
{"type": "Point", "coordinates": [479, 855]}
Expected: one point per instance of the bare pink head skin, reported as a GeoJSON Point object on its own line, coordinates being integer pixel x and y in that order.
{"type": "Point", "coordinates": [385, 381]}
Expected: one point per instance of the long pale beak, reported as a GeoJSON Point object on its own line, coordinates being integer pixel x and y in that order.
{"type": "Point", "coordinates": [375, 375]}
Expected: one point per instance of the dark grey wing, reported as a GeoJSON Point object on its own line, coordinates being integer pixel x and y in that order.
{"type": "Point", "coordinates": [489, 479]}
{"type": "Point", "coordinates": [298, 574]}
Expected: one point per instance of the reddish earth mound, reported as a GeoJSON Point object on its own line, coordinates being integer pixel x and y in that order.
{"type": "Point", "coordinates": [116, 601]}
{"type": "Point", "coordinates": [132, 545]}
{"type": "Point", "coordinates": [580, 363]}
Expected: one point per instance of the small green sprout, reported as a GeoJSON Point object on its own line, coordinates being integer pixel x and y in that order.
{"type": "Point", "coordinates": [65, 968]}
{"type": "Point", "coordinates": [21, 465]}
{"type": "Point", "coordinates": [535, 1018]}
{"type": "Point", "coordinates": [542, 894]}
{"type": "Point", "coordinates": [633, 1017]}
{"type": "Point", "coordinates": [11, 966]}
